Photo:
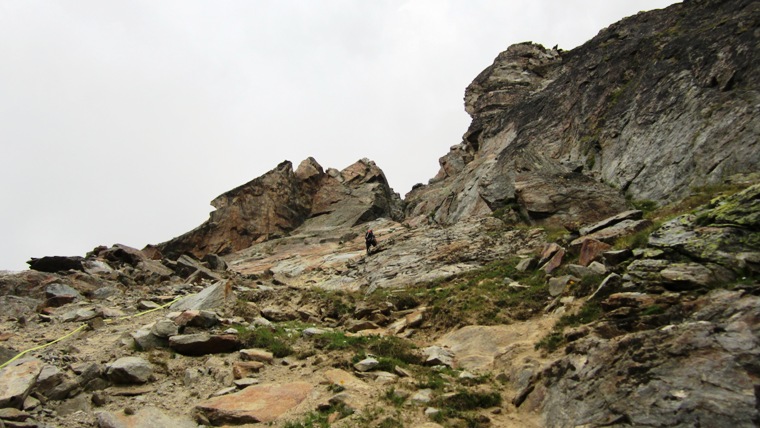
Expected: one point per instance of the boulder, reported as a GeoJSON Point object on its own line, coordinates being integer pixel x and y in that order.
{"type": "Point", "coordinates": [366, 364]}
{"type": "Point", "coordinates": [559, 285]}
{"type": "Point", "coordinates": [123, 255]}
{"type": "Point", "coordinates": [211, 297]}
{"type": "Point", "coordinates": [616, 257]}
{"type": "Point", "coordinates": [129, 370]}
{"type": "Point", "coordinates": [56, 263]}
{"type": "Point", "coordinates": [60, 294]}
{"type": "Point", "coordinates": [438, 356]}
{"type": "Point", "coordinates": [204, 343]}
{"type": "Point", "coordinates": [17, 380]}
{"type": "Point", "coordinates": [526, 264]}
{"type": "Point", "coordinates": [591, 250]}
{"type": "Point", "coordinates": [164, 328]}
{"type": "Point", "coordinates": [96, 267]}
{"type": "Point", "coordinates": [254, 404]}
{"type": "Point", "coordinates": [145, 340]}
{"type": "Point", "coordinates": [215, 262]}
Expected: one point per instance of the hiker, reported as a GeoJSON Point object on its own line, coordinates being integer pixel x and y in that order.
{"type": "Point", "coordinates": [369, 239]}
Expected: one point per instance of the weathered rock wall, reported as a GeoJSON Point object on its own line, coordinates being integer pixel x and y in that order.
{"type": "Point", "coordinates": [283, 199]}
{"type": "Point", "coordinates": [652, 106]}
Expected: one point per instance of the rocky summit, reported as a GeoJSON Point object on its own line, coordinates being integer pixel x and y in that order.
{"type": "Point", "coordinates": [588, 256]}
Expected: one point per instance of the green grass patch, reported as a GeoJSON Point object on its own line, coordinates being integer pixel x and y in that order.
{"type": "Point", "coordinates": [278, 342]}
{"type": "Point", "coordinates": [390, 351]}
{"type": "Point", "coordinates": [392, 397]}
{"type": "Point", "coordinates": [551, 342]}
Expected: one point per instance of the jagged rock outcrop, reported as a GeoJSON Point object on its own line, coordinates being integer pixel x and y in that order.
{"type": "Point", "coordinates": [652, 106]}
{"type": "Point", "coordinates": [283, 199]}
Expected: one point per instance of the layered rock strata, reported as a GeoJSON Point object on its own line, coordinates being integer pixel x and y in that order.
{"type": "Point", "coordinates": [283, 199]}
{"type": "Point", "coordinates": [651, 107]}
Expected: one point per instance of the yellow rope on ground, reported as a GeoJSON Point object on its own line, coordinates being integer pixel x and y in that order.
{"type": "Point", "coordinates": [37, 348]}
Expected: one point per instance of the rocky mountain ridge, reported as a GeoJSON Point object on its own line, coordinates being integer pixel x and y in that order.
{"type": "Point", "coordinates": [519, 288]}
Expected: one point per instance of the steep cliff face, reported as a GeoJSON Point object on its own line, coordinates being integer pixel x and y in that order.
{"type": "Point", "coordinates": [282, 200]}
{"type": "Point", "coordinates": [653, 106]}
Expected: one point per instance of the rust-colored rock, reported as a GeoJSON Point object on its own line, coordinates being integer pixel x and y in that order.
{"type": "Point", "coordinates": [554, 262]}
{"type": "Point", "coordinates": [591, 250]}
{"type": "Point", "coordinates": [282, 200]}
{"type": "Point", "coordinates": [258, 403]}
{"type": "Point", "coordinates": [244, 369]}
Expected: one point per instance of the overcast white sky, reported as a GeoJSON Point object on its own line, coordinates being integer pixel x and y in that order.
{"type": "Point", "coordinates": [121, 120]}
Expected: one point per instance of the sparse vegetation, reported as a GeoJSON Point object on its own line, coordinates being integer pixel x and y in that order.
{"type": "Point", "coordinates": [320, 419]}
{"type": "Point", "coordinates": [588, 313]}
{"type": "Point", "coordinates": [278, 342]}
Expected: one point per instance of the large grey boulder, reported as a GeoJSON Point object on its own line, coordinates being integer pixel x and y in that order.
{"type": "Point", "coordinates": [210, 297]}
{"type": "Point", "coordinates": [129, 370]}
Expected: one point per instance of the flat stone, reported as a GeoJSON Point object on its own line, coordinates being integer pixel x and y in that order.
{"type": "Point", "coordinates": [261, 355]}
{"type": "Point", "coordinates": [359, 325]}
{"type": "Point", "coordinates": [610, 221]}
{"type": "Point", "coordinates": [366, 364]}
{"type": "Point", "coordinates": [693, 274]}
{"type": "Point", "coordinates": [204, 343]}
{"type": "Point", "coordinates": [345, 380]}
{"type": "Point", "coordinates": [612, 233]}
{"type": "Point", "coordinates": [243, 369]}
{"type": "Point", "coordinates": [628, 299]}
{"type": "Point", "coordinates": [145, 305]}
{"type": "Point", "coordinates": [129, 370]}
{"type": "Point", "coordinates": [313, 331]}
{"type": "Point", "coordinates": [146, 417]}
{"type": "Point", "coordinates": [17, 381]}
{"type": "Point", "coordinates": [255, 404]}
{"type": "Point", "coordinates": [12, 414]}
{"type": "Point", "coordinates": [245, 382]}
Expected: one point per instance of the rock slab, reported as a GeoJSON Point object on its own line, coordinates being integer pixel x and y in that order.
{"type": "Point", "coordinates": [258, 403]}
